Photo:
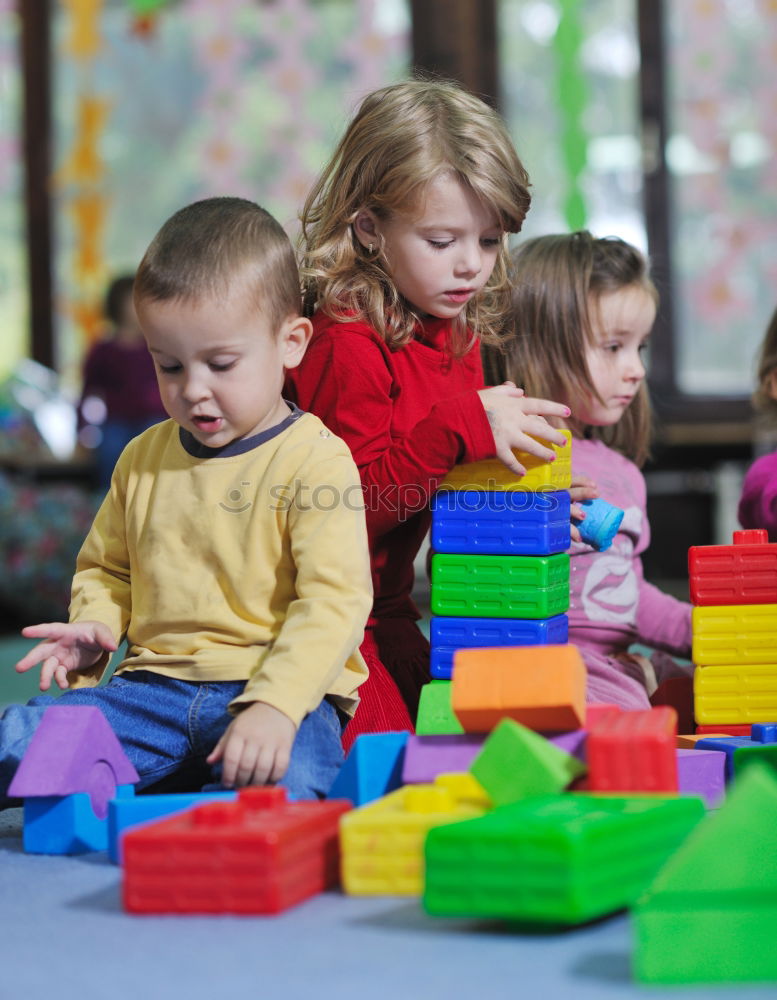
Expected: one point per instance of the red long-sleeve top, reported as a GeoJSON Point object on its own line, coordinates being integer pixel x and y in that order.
{"type": "Point", "coordinates": [408, 416]}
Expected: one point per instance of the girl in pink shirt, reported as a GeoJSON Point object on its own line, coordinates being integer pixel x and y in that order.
{"type": "Point", "coordinates": [758, 503]}
{"type": "Point", "coordinates": [583, 309]}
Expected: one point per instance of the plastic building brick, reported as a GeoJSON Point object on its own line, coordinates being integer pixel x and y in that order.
{"type": "Point", "coordinates": [688, 741]}
{"type": "Point", "coordinates": [560, 860]}
{"type": "Point", "coordinates": [448, 634]}
{"type": "Point", "coordinates": [127, 812]}
{"type": "Point", "coordinates": [601, 523]}
{"type": "Point", "coordinates": [677, 692]}
{"type": "Point", "coordinates": [702, 772]}
{"type": "Point", "coordinates": [500, 586]}
{"type": "Point", "coordinates": [73, 767]}
{"type": "Point", "coordinates": [765, 732]}
{"type": "Point", "coordinates": [465, 788]}
{"type": "Point", "coordinates": [492, 474]}
{"type": "Point", "coordinates": [633, 752]}
{"type": "Point", "coordinates": [725, 729]}
{"type": "Point", "coordinates": [742, 694]}
{"type": "Point", "coordinates": [742, 573]}
{"type": "Point", "coordinates": [498, 523]}
{"type": "Point", "coordinates": [542, 687]}
{"type": "Point", "coordinates": [515, 763]}
{"type": "Point", "coordinates": [372, 768]}
{"type": "Point", "coordinates": [596, 710]}
{"type": "Point", "coordinates": [428, 756]}
{"type": "Point", "coordinates": [382, 843]}
{"type": "Point", "coordinates": [710, 914]}
{"type": "Point", "coordinates": [726, 745]}
{"type": "Point", "coordinates": [740, 634]}
{"type": "Point", "coordinates": [259, 854]}
{"type": "Point", "coordinates": [435, 712]}
{"type": "Point", "coordinates": [573, 742]}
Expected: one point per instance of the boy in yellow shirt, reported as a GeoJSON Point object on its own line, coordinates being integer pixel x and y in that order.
{"type": "Point", "coordinates": [231, 549]}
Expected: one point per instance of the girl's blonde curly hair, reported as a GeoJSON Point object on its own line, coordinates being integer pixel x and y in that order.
{"type": "Point", "coordinates": [403, 137]}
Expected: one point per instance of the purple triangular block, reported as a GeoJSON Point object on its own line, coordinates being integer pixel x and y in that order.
{"type": "Point", "coordinates": [73, 748]}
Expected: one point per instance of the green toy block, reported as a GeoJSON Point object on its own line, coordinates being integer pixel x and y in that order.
{"type": "Point", "coordinates": [516, 763]}
{"type": "Point", "coordinates": [765, 754]}
{"type": "Point", "coordinates": [435, 715]}
{"type": "Point", "coordinates": [710, 914]}
{"type": "Point", "coordinates": [500, 586]}
{"type": "Point", "coordinates": [561, 859]}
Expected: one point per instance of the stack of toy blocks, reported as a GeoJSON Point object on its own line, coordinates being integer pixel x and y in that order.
{"type": "Point", "coordinates": [500, 569]}
{"type": "Point", "coordinates": [734, 592]}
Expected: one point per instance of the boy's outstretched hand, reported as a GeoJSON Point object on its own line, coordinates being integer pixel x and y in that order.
{"type": "Point", "coordinates": [255, 747]}
{"type": "Point", "coordinates": [66, 646]}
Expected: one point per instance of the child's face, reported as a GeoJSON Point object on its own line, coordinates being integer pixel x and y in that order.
{"type": "Point", "coordinates": [440, 257]}
{"type": "Point", "coordinates": [622, 322]}
{"type": "Point", "coordinates": [219, 365]}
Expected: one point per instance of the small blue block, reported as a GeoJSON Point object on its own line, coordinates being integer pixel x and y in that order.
{"type": "Point", "coordinates": [601, 523]}
{"type": "Point", "coordinates": [764, 732]}
{"type": "Point", "coordinates": [447, 634]}
{"type": "Point", "coordinates": [728, 745]}
{"type": "Point", "coordinates": [128, 812]}
{"type": "Point", "coordinates": [373, 768]}
{"type": "Point", "coordinates": [66, 824]}
{"type": "Point", "coordinates": [500, 522]}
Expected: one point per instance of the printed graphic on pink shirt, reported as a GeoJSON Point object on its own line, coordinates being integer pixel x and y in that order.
{"type": "Point", "coordinates": [610, 590]}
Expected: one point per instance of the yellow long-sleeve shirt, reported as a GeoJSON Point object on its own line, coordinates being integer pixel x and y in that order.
{"type": "Point", "coordinates": [245, 564]}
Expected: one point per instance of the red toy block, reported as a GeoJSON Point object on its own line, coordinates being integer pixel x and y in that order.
{"type": "Point", "coordinates": [257, 854]}
{"type": "Point", "coordinates": [595, 710]}
{"type": "Point", "coordinates": [542, 687]}
{"type": "Point", "coordinates": [633, 752]}
{"type": "Point", "coordinates": [727, 728]}
{"type": "Point", "coordinates": [742, 573]}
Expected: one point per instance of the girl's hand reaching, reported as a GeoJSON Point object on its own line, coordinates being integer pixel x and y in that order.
{"type": "Point", "coordinates": [66, 647]}
{"type": "Point", "coordinates": [581, 488]}
{"type": "Point", "coordinates": [514, 417]}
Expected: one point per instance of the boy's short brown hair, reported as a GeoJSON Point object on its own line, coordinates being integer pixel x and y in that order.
{"type": "Point", "coordinates": [206, 246]}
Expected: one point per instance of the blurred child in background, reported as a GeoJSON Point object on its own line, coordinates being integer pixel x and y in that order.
{"type": "Point", "coordinates": [758, 503]}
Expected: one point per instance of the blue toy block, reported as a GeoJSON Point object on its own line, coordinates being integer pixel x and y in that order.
{"type": "Point", "coordinates": [496, 522]}
{"type": "Point", "coordinates": [125, 813]}
{"type": "Point", "coordinates": [66, 824]}
{"type": "Point", "coordinates": [764, 732]}
{"type": "Point", "coordinates": [601, 523]}
{"type": "Point", "coordinates": [372, 769]}
{"type": "Point", "coordinates": [449, 634]}
{"type": "Point", "coordinates": [728, 745]}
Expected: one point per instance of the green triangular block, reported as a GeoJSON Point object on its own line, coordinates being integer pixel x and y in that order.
{"type": "Point", "coordinates": [516, 763]}
{"type": "Point", "coordinates": [734, 849]}
{"type": "Point", "coordinates": [435, 715]}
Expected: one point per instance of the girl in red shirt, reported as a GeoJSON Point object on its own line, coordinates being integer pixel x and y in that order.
{"type": "Point", "coordinates": [404, 274]}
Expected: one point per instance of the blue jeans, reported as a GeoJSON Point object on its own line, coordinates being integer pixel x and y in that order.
{"type": "Point", "coordinates": [167, 727]}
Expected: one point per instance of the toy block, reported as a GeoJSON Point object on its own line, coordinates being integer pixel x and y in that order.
{"type": "Point", "coordinates": [765, 732]}
{"type": "Point", "coordinates": [702, 772]}
{"type": "Point", "coordinates": [709, 916]}
{"type": "Point", "coordinates": [725, 745]}
{"type": "Point", "coordinates": [560, 859]}
{"type": "Point", "coordinates": [688, 741]}
{"type": "Point", "coordinates": [515, 763]}
{"type": "Point", "coordinates": [725, 729]}
{"type": "Point", "coordinates": [596, 710]}
{"type": "Point", "coordinates": [677, 692]}
{"type": "Point", "coordinates": [372, 768]}
{"type": "Point", "coordinates": [728, 694]}
{"type": "Point", "coordinates": [259, 854]}
{"type": "Point", "coordinates": [500, 586]}
{"type": "Point", "coordinates": [742, 573]}
{"type": "Point", "coordinates": [127, 812]}
{"type": "Point", "coordinates": [498, 523]}
{"type": "Point", "coordinates": [542, 687]}
{"type": "Point", "coordinates": [601, 523]}
{"type": "Point", "coordinates": [448, 634]}
{"type": "Point", "coordinates": [465, 788]}
{"type": "Point", "coordinates": [435, 712]}
{"type": "Point", "coordinates": [382, 843]}
{"type": "Point", "coordinates": [67, 824]}
{"type": "Point", "coordinates": [573, 742]}
{"type": "Point", "coordinates": [428, 756]}
{"type": "Point", "coordinates": [633, 752]}
{"type": "Point", "coordinates": [491, 474]}
{"type": "Point", "coordinates": [746, 756]}
{"type": "Point", "coordinates": [741, 634]}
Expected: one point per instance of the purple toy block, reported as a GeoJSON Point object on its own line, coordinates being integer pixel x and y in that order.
{"type": "Point", "coordinates": [702, 772]}
{"type": "Point", "coordinates": [572, 742]}
{"type": "Point", "coordinates": [428, 756]}
{"type": "Point", "coordinates": [73, 750]}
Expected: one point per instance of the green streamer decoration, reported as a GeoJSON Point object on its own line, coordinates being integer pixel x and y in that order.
{"type": "Point", "coordinates": [572, 95]}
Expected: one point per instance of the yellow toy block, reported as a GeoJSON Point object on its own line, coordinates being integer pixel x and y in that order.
{"type": "Point", "coordinates": [382, 843]}
{"type": "Point", "coordinates": [465, 788]}
{"type": "Point", "coordinates": [739, 693]}
{"type": "Point", "coordinates": [491, 474]}
{"type": "Point", "coordinates": [737, 633]}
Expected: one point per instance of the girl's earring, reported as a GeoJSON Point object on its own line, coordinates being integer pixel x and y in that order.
{"type": "Point", "coordinates": [371, 248]}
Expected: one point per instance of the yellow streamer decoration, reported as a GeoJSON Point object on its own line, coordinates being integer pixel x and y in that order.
{"type": "Point", "coordinates": [84, 162]}
{"type": "Point", "coordinates": [84, 38]}
{"type": "Point", "coordinates": [90, 211]}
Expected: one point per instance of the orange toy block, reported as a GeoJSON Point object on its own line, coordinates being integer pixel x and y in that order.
{"type": "Point", "coordinates": [688, 741]}
{"type": "Point", "coordinates": [542, 687]}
